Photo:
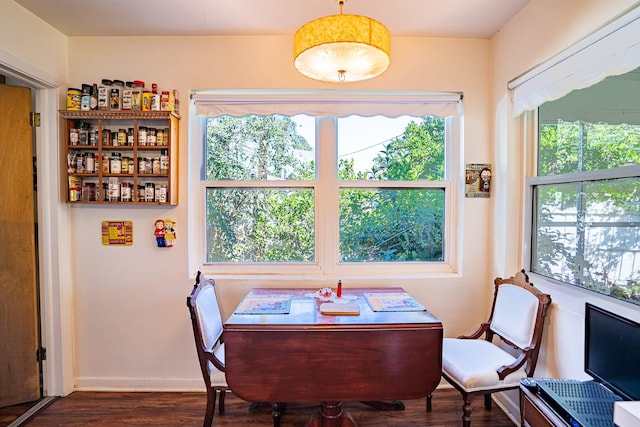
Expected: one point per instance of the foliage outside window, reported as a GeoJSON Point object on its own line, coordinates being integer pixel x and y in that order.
{"type": "Point", "coordinates": [586, 202]}
{"type": "Point", "coordinates": [272, 188]}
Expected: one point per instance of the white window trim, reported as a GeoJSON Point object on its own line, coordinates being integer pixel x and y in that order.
{"type": "Point", "coordinates": [323, 267]}
{"type": "Point", "coordinates": [611, 50]}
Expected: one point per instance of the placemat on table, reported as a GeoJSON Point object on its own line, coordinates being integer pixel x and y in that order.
{"type": "Point", "coordinates": [393, 301]}
{"type": "Point", "coordinates": [265, 304]}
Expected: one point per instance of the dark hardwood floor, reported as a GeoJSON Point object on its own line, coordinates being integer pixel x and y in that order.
{"type": "Point", "coordinates": [187, 409]}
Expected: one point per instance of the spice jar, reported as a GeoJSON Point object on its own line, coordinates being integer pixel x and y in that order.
{"type": "Point", "coordinates": [136, 94]}
{"type": "Point", "coordinates": [146, 100]}
{"type": "Point", "coordinates": [164, 162]}
{"type": "Point", "coordinates": [114, 190]}
{"type": "Point", "coordinates": [127, 94]}
{"type": "Point", "coordinates": [116, 163]}
{"type": "Point", "coordinates": [122, 137]}
{"type": "Point", "coordinates": [125, 192]}
{"type": "Point", "coordinates": [90, 163]}
{"type": "Point", "coordinates": [149, 192]}
{"type": "Point", "coordinates": [155, 98]}
{"type": "Point", "coordinates": [151, 136]}
{"type": "Point", "coordinates": [85, 100]}
{"type": "Point", "coordinates": [104, 92]}
{"type": "Point", "coordinates": [124, 164]}
{"type": "Point", "coordinates": [142, 135]}
{"type": "Point", "coordinates": [74, 136]}
{"type": "Point", "coordinates": [115, 99]}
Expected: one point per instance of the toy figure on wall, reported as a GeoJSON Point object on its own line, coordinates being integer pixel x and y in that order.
{"type": "Point", "coordinates": [169, 231]}
{"type": "Point", "coordinates": [160, 233]}
{"type": "Point", "coordinates": [165, 232]}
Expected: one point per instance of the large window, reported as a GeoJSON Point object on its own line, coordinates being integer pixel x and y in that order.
{"type": "Point", "coordinates": [367, 193]}
{"type": "Point", "coordinates": [586, 197]}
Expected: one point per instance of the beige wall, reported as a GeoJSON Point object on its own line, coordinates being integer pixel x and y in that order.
{"type": "Point", "coordinates": [31, 46]}
{"type": "Point", "coordinates": [107, 281]}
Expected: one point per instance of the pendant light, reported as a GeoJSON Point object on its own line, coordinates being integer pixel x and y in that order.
{"type": "Point", "coordinates": [342, 48]}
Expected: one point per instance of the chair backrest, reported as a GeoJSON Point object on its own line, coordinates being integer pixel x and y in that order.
{"type": "Point", "coordinates": [206, 320]}
{"type": "Point", "coordinates": [518, 314]}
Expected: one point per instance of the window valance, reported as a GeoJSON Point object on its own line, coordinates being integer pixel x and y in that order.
{"type": "Point", "coordinates": [614, 49]}
{"type": "Point", "coordinates": [320, 103]}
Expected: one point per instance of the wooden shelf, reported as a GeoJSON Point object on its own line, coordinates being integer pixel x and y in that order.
{"type": "Point", "coordinates": [94, 140]}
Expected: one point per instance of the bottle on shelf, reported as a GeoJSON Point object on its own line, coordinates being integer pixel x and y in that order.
{"type": "Point", "coordinates": [114, 189]}
{"type": "Point", "coordinates": [127, 96]}
{"type": "Point", "coordinates": [85, 100]}
{"type": "Point", "coordinates": [164, 162]}
{"type": "Point", "coordinates": [115, 99]}
{"type": "Point", "coordinates": [94, 96]}
{"type": "Point", "coordinates": [155, 98]}
{"type": "Point", "coordinates": [136, 95]}
{"type": "Point", "coordinates": [104, 94]}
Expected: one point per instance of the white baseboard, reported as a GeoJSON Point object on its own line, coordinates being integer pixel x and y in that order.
{"type": "Point", "coordinates": [506, 402]}
{"type": "Point", "coordinates": [139, 384]}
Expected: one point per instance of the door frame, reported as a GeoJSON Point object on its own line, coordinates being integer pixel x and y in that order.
{"type": "Point", "coordinates": [55, 281]}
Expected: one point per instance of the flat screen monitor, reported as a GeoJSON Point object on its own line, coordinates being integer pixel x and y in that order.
{"type": "Point", "coordinates": [612, 351]}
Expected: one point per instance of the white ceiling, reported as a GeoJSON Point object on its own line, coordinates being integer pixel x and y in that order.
{"type": "Point", "coordinates": [429, 18]}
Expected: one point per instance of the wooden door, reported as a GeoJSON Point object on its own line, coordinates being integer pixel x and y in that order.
{"type": "Point", "coordinates": [19, 368]}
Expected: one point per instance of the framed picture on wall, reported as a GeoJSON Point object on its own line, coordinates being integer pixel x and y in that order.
{"type": "Point", "coordinates": [477, 180]}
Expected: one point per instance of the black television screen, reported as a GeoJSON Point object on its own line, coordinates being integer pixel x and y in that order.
{"type": "Point", "coordinates": [612, 351]}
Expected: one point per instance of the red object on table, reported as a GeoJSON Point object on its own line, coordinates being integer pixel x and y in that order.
{"type": "Point", "coordinates": [339, 291]}
{"type": "Point", "coordinates": [305, 356]}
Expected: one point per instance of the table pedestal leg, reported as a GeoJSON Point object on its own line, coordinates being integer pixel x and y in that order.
{"type": "Point", "coordinates": [331, 415]}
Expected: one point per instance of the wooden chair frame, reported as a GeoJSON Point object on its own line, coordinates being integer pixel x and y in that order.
{"type": "Point", "coordinates": [206, 356]}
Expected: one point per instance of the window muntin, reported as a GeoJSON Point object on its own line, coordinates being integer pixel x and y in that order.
{"type": "Point", "coordinates": [250, 180]}
{"type": "Point", "coordinates": [586, 202]}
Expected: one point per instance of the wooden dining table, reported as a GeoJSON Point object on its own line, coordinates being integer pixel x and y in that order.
{"type": "Point", "coordinates": [280, 347]}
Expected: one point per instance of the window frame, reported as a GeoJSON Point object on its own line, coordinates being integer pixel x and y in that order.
{"type": "Point", "coordinates": [327, 201]}
{"type": "Point", "coordinates": [531, 131]}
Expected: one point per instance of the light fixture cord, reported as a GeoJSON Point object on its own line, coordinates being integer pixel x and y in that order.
{"type": "Point", "coordinates": [341, 73]}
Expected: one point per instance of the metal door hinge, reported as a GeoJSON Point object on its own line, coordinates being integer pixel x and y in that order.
{"type": "Point", "coordinates": [34, 119]}
{"type": "Point", "coordinates": [41, 354]}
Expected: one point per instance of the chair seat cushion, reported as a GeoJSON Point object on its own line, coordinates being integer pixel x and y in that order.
{"type": "Point", "coordinates": [217, 378]}
{"type": "Point", "coordinates": [473, 364]}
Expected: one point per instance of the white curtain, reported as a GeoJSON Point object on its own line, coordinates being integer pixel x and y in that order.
{"type": "Point", "coordinates": [319, 103]}
{"type": "Point", "coordinates": [612, 50]}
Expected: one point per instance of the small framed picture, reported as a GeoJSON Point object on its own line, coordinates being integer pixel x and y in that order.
{"type": "Point", "coordinates": [477, 180]}
{"type": "Point", "coordinates": [117, 233]}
